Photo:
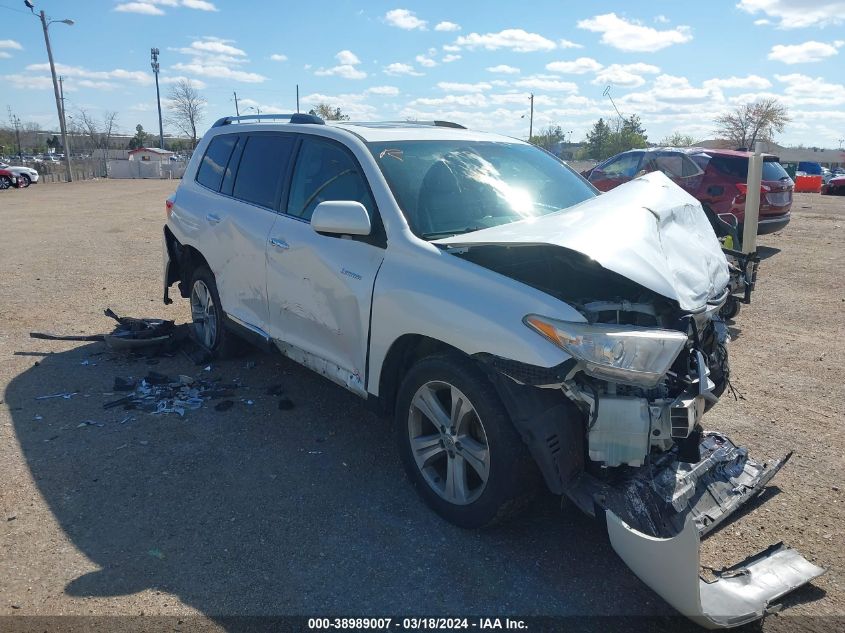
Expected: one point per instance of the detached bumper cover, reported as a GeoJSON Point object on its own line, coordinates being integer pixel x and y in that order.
{"type": "Point", "coordinates": [742, 593]}
{"type": "Point", "coordinates": [657, 513]}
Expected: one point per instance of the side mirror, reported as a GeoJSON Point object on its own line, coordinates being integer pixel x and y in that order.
{"type": "Point", "coordinates": [341, 217]}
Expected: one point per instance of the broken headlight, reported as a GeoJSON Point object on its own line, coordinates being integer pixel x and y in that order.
{"type": "Point", "coordinates": [617, 353]}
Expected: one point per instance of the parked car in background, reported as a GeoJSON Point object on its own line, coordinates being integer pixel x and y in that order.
{"type": "Point", "coordinates": [715, 177]}
{"type": "Point", "coordinates": [835, 186]}
{"type": "Point", "coordinates": [8, 179]}
{"type": "Point", "coordinates": [27, 175]}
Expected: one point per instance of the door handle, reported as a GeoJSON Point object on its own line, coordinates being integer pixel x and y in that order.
{"type": "Point", "coordinates": [212, 218]}
{"type": "Point", "coordinates": [279, 243]}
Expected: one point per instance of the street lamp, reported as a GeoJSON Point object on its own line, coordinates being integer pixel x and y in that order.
{"type": "Point", "coordinates": [155, 66]}
{"type": "Point", "coordinates": [256, 108]}
{"type": "Point", "coordinates": [45, 24]}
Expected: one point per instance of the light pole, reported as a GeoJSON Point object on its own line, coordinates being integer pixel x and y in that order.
{"type": "Point", "coordinates": [256, 108]}
{"type": "Point", "coordinates": [155, 66]}
{"type": "Point", "coordinates": [45, 24]}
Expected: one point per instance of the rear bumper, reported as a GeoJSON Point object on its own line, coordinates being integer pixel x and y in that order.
{"type": "Point", "coordinates": [771, 224]}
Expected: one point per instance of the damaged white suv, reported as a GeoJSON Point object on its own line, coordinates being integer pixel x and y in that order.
{"type": "Point", "coordinates": [516, 325]}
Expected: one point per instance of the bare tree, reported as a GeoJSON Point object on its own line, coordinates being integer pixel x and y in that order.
{"type": "Point", "coordinates": [677, 139]}
{"type": "Point", "coordinates": [98, 133]}
{"type": "Point", "coordinates": [753, 122]}
{"type": "Point", "coordinates": [187, 108]}
{"type": "Point", "coordinates": [328, 113]}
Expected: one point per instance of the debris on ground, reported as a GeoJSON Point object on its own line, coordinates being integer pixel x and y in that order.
{"type": "Point", "coordinates": [65, 396]}
{"type": "Point", "coordinates": [161, 394]}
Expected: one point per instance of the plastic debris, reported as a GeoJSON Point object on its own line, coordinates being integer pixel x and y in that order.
{"type": "Point", "coordinates": [66, 396]}
{"type": "Point", "coordinates": [39, 417]}
{"type": "Point", "coordinates": [123, 384]}
{"type": "Point", "coordinates": [161, 394]}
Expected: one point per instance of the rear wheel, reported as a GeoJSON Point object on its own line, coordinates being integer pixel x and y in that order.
{"type": "Point", "coordinates": [731, 308]}
{"type": "Point", "coordinates": [459, 446]}
{"type": "Point", "coordinates": [208, 317]}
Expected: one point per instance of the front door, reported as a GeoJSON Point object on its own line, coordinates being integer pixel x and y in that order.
{"type": "Point", "coordinates": [319, 287]}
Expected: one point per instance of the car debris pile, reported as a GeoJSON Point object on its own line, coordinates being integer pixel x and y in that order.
{"type": "Point", "coordinates": [161, 394]}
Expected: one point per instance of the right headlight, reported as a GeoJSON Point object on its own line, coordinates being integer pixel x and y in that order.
{"type": "Point", "coordinates": [618, 353]}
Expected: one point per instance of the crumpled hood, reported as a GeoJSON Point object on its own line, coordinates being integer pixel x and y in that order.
{"type": "Point", "coordinates": [648, 230]}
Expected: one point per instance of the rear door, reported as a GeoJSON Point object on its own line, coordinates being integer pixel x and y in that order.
{"type": "Point", "coordinates": [248, 202]}
{"type": "Point", "coordinates": [319, 287]}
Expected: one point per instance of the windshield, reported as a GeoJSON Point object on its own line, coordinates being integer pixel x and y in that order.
{"type": "Point", "coordinates": [450, 187]}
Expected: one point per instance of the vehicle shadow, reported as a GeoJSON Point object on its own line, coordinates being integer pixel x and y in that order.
{"type": "Point", "coordinates": [764, 252]}
{"type": "Point", "coordinates": [257, 511]}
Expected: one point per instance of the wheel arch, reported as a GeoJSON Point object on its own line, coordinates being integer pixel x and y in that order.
{"type": "Point", "coordinates": [184, 260]}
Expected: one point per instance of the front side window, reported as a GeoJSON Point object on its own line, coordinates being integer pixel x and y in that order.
{"type": "Point", "coordinates": [325, 171]}
{"type": "Point", "coordinates": [453, 186]}
{"type": "Point", "coordinates": [210, 172]}
{"type": "Point", "coordinates": [623, 167]}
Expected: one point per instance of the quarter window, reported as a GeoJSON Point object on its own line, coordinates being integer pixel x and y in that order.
{"type": "Point", "coordinates": [210, 172]}
{"type": "Point", "coordinates": [323, 172]}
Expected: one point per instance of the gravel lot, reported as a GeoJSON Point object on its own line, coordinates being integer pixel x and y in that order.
{"type": "Point", "coordinates": [257, 511]}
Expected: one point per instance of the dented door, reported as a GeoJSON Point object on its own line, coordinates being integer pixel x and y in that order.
{"type": "Point", "coordinates": [319, 287]}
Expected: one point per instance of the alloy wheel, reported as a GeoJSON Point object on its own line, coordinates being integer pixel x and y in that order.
{"type": "Point", "coordinates": [203, 314]}
{"type": "Point", "coordinates": [448, 442]}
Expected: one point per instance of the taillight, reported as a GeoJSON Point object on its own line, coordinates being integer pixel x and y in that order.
{"type": "Point", "coordinates": [168, 207]}
{"type": "Point", "coordinates": [743, 188]}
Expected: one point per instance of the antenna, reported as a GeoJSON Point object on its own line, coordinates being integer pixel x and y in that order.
{"type": "Point", "coordinates": [606, 93]}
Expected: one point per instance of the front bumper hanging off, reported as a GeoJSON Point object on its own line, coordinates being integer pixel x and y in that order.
{"type": "Point", "coordinates": [657, 515]}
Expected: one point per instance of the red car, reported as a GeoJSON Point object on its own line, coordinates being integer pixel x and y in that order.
{"type": "Point", "coordinates": [835, 186]}
{"type": "Point", "coordinates": [716, 177]}
{"type": "Point", "coordinates": [8, 179]}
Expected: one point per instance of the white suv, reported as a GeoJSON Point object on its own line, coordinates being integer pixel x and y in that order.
{"type": "Point", "coordinates": [515, 324]}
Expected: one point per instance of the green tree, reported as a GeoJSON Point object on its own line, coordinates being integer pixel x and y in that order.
{"type": "Point", "coordinates": [328, 113]}
{"type": "Point", "coordinates": [140, 138]}
{"type": "Point", "coordinates": [599, 141]}
{"type": "Point", "coordinates": [631, 135]}
{"type": "Point", "coordinates": [676, 139]}
{"type": "Point", "coordinates": [548, 137]}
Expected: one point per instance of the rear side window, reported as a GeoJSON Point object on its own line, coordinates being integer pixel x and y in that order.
{"type": "Point", "coordinates": [210, 172]}
{"type": "Point", "coordinates": [263, 163]}
{"type": "Point", "coordinates": [324, 171]}
{"type": "Point", "coordinates": [677, 165]}
{"type": "Point", "coordinates": [737, 167]}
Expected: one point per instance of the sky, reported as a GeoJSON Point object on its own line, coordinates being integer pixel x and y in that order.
{"type": "Point", "coordinates": [677, 65]}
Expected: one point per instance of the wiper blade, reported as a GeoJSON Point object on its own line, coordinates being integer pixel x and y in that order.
{"type": "Point", "coordinates": [436, 234]}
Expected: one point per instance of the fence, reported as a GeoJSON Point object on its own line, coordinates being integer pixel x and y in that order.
{"type": "Point", "coordinates": [145, 169]}
{"type": "Point", "coordinates": [89, 169]}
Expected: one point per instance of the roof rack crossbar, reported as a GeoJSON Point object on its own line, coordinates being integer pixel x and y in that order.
{"type": "Point", "coordinates": [296, 117]}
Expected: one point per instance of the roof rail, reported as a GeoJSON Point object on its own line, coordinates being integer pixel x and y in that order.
{"type": "Point", "coordinates": [296, 117]}
{"type": "Point", "coordinates": [457, 126]}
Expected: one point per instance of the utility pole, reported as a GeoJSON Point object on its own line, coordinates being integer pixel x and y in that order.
{"type": "Point", "coordinates": [45, 24]}
{"type": "Point", "coordinates": [237, 111]}
{"type": "Point", "coordinates": [62, 96]}
{"type": "Point", "coordinates": [297, 103]}
{"type": "Point", "coordinates": [155, 66]}
{"type": "Point", "coordinates": [531, 118]}
{"type": "Point", "coordinates": [17, 123]}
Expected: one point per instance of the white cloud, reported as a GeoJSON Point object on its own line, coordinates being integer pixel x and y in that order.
{"type": "Point", "coordinates": [761, 22]}
{"type": "Point", "coordinates": [353, 104]}
{"type": "Point", "coordinates": [791, 14]}
{"type": "Point", "coordinates": [216, 58]}
{"type": "Point", "coordinates": [386, 91]}
{"type": "Point", "coordinates": [213, 46]}
{"type": "Point", "coordinates": [624, 75]}
{"type": "Point", "coordinates": [11, 44]}
{"type": "Point", "coordinates": [347, 57]}
{"type": "Point", "coordinates": [804, 90]}
{"type": "Point", "coordinates": [28, 82]}
{"type": "Point", "coordinates": [503, 69]}
{"type": "Point", "coordinates": [196, 83]}
{"type": "Point", "coordinates": [751, 82]}
{"type": "Point", "coordinates": [517, 40]}
{"type": "Point", "coordinates": [277, 57]}
{"type": "Point", "coordinates": [79, 72]}
{"type": "Point", "coordinates": [447, 26]}
{"type": "Point", "coordinates": [568, 44]}
{"type": "Point", "coordinates": [345, 68]}
{"type": "Point", "coordinates": [427, 62]}
{"type": "Point", "coordinates": [451, 48]}
{"type": "Point", "coordinates": [451, 86]}
{"type": "Point", "coordinates": [474, 100]}
{"type": "Point", "coordinates": [398, 68]}
{"type": "Point", "coordinates": [200, 5]}
{"type": "Point", "coordinates": [661, 19]}
{"type": "Point", "coordinates": [404, 19]}
{"type": "Point", "coordinates": [579, 66]}
{"type": "Point", "coordinates": [5, 55]}
{"type": "Point", "coordinates": [549, 85]}
{"type": "Point", "coordinates": [632, 36]}
{"type": "Point", "coordinates": [811, 51]}
{"type": "Point", "coordinates": [219, 71]}
{"type": "Point", "coordinates": [451, 57]}
{"type": "Point", "coordinates": [139, 7]}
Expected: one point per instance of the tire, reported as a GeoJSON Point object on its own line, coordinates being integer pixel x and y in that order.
{"type": "Point", "coordinates": [208, 317]}
{"type": "Point", "coordinates": [476, 471]}
{"type": "Point", "coordinates": [731, 308]}
{"type": "Point", "coordinates": [5, 182]}
{"type": "Point", "coordinates": [24, 181]}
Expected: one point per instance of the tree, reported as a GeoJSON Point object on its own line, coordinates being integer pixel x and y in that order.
{"type": "Point", "coordinates": [187, 108]}
{"type": "Point", "coordinates": [140, 139]}
{"type": "Point", "coordinates": [548, 138]}
{"type": "Point", "coordinates": [328, 113]}
{"type": "Point", "coordinates": [676, 139]}
{"type": "Point", "coordinates": [757, 121]}
{"type": "Point", "coordinates": [599, 141]}
{"type": "Point", "coordinates": [98, 133]}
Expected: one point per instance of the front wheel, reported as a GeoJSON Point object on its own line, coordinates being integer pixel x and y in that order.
{"type": "Point", "coordinates": [458, 445]}
{"type": "Point", "coordinates": [25, 181]}
{"type": "Point", "coordinates": [730, 309]}
{"type": "Point", "coordinates": [5, 182]}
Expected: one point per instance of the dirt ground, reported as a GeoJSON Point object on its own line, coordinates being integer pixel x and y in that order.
{"type": "Point", "coordinates": [257, 511]}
